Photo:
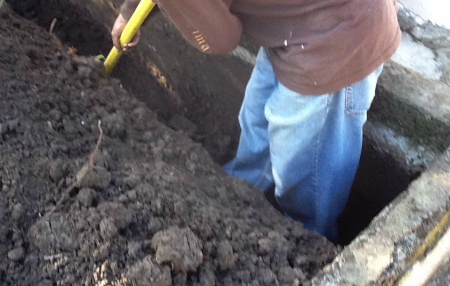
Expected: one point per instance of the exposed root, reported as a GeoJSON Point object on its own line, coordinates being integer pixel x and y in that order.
{"type": "Point", "coordinates": [99, 141]}
{"type": "Point", "coordinates": [72, 189]}
{"type": "Point", "coordinates": [52, 26]}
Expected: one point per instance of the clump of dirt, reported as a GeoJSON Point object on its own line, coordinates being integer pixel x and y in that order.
{"type": "Point", "coordinates": [153, 209]}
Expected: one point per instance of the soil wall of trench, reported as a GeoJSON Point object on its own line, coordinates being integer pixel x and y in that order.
{"type": "Point", "coordinates": [128, 201]}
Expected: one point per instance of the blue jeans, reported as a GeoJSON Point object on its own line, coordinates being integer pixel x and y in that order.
{"type": "Point", "coordinates": [308, 146]}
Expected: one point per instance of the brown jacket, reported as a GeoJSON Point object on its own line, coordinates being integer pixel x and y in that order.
{"type": "Point", "coordinates": [315, 46]}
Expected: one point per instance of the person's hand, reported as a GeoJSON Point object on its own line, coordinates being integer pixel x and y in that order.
{"type": "Point", "coordinates": [117, 29]}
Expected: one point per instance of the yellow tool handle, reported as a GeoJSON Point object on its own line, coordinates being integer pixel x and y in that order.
{"type": "Point", "coordinates": [143, 9]}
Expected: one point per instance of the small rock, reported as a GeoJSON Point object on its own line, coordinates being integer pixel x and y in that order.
{"type": "Point", "coordinates": [56, 170]}
{"type": "Point", "coordinates": [17, 212]}
{"type": "Point", "coordinates": [157, 206]}
{"type": "Point", "coordinates": [41, 234]}
{"type": "Point", "coordinates": [16, 254]}
{"type": "Point", "coordinates": [12, 125]}
{"type": "Point", "coordinates": [114, 126]}
{"type": "Point", "coordinates": [122, 198]}
{"type": "Point", "coordinates": [267, 277]}
{"type": "Point", "coordinates": [207, 277]}
{"type": "Point", "coordinates": [96, 177]}
{"type": "Point", "coordinates": [154, 225]}
{"type": "Point", "coordinates": [108, 229]}
{"type": "Point", "coordinates": [84, 72]}
{"type": "Point", "coordinates": [87, 197]}
{"type": "Point", "coordinates": [120, 215]}
{"type": "Point", "coordinates": [101, 253]}
{"type": "Point", "coordinates": [181, 209]}
{"type": "Point", "coordinates": [287, 275]}
{"type": "Point", "coordinates": [225, 255]}
{"type": "Point", "coordinates": [51, 232]}
{"type": "Point", "coordinates": [145, 272]}
{"type": "Point", "coordinates": [143, 119]}
{"type": "Point", "coordinates": [132, 195]}
{"type": "Point", "coordinates": [179, 247]}
{"type": "Point", "coordinates": [132, 180]}
{"type": "Point", "coordinates": [134, 247]}
{"type": "Point", "coordinates": [301, 260]}
{"type": "Point", "coordinates": [273, 243]}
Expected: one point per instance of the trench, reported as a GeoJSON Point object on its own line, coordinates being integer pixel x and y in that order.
{"type": "Point", "coordinates": [379, 179]}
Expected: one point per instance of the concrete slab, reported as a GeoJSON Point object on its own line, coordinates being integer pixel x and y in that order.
{"type": "Point", "coordinates": [425, 47]}
{"type": "Point", "coordinates": [385, 248]}
{"type": "Point", "coordinates": [411, 114]}
{"type": "Point", "coordinates": [435, 11]}
{"type": "Point", "coordinates": [426, 63]}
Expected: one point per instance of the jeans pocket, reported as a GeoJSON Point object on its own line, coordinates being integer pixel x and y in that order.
{"type": "Point", "coordinates": [356, 104]}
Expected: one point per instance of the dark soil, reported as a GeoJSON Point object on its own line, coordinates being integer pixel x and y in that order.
{"type": "Point", "coordinates": [153, 209]}
{"type": "Point", "coordinates": [207, 119]}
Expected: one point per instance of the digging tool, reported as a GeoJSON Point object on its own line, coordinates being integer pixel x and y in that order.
{"type": "Point", "coordinates": [143, 9]}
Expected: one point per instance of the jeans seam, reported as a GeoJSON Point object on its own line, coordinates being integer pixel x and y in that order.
{"type": "Point", "coordinates": [349, 101]}
{"type": "Point", "coordinates": [316, 175]}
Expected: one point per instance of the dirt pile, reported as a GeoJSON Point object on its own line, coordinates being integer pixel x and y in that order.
{"type": "Point", "coordinates": [151, 209]}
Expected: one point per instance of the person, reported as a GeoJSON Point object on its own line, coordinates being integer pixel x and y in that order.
{"type": "Point", "coordinates": [307, 99]}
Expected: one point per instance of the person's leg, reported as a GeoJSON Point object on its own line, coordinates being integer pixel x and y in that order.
{"type": "Point", "coordinates": [252, 160]}
{"type": "Point", "coordinates": [315, 144]}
